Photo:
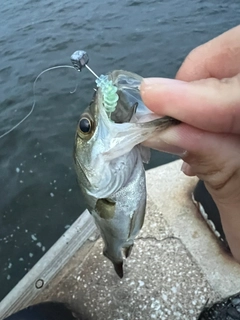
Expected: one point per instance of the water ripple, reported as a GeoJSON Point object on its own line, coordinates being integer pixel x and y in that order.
{"type": "Point", "coordinates": [37, 34]}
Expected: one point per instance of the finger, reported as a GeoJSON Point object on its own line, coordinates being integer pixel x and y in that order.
{"type": "Point", "coordinates": [187, 169]}
{"type": "Point", "coordinates": [214, 158]}
{"type": "Point", "coordinates": [208, 104]}
{"type": "Point", "coordinates": [219, 58]}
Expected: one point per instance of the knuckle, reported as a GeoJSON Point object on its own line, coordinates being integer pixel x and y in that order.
{"type": "Point", "coordinates": [223, 177]}
{"type": "Point", "coordinates": [224, 186]}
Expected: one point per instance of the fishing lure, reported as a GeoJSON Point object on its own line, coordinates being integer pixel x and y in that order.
{"type": "Point", "coordinates": [109, 90]}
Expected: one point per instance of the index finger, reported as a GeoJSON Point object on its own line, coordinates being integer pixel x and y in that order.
{"type": "Point", "coordinates": [208, 104]}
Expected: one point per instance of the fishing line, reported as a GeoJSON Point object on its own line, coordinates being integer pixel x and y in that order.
{"type": "Point", "coordinates": [79, 60]}
{"type": "Point", "coordinates": [34, 100]}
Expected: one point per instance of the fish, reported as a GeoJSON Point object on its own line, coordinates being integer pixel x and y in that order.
{"type": "Point", "coordinates": [109, 157]}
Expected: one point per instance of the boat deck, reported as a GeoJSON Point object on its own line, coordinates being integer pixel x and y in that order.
{"type": "Point", "coordinates": [175, 267]}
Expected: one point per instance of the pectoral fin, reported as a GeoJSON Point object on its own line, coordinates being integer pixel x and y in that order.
{"type": "Point", "coordinates": [105, 208]}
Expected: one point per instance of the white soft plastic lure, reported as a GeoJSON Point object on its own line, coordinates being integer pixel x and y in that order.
{"type": "Point", "coordinates": [109, 160]}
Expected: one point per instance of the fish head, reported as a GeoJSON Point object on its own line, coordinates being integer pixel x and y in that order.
{"type": "Point", "coordinates": [90, 143]}
{"type": "Point", "coordinates": [102, 137]}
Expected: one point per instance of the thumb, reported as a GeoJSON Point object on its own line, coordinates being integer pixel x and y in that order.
{"type": "Point", "coordinates": [208, 104]}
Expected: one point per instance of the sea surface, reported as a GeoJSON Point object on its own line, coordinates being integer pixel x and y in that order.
{"type": "Point", "coordinates": [39, 195]}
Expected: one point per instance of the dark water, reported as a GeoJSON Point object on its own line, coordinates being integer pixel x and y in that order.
{"type": "Point", "coordinates": [39, 196]}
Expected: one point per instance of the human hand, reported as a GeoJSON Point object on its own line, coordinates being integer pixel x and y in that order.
{"type": "Point", "coordinates": [206, 98]}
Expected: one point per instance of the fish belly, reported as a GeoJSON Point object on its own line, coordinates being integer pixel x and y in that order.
{"type": "Point", "coordinates": [120, 231]}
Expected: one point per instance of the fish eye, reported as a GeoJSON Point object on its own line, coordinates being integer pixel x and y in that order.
{"type": "Point", "coordinates": [85, 125]}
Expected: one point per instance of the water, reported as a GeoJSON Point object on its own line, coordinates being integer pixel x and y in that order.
{"type": "Point", "coordinates": [39, 196]}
